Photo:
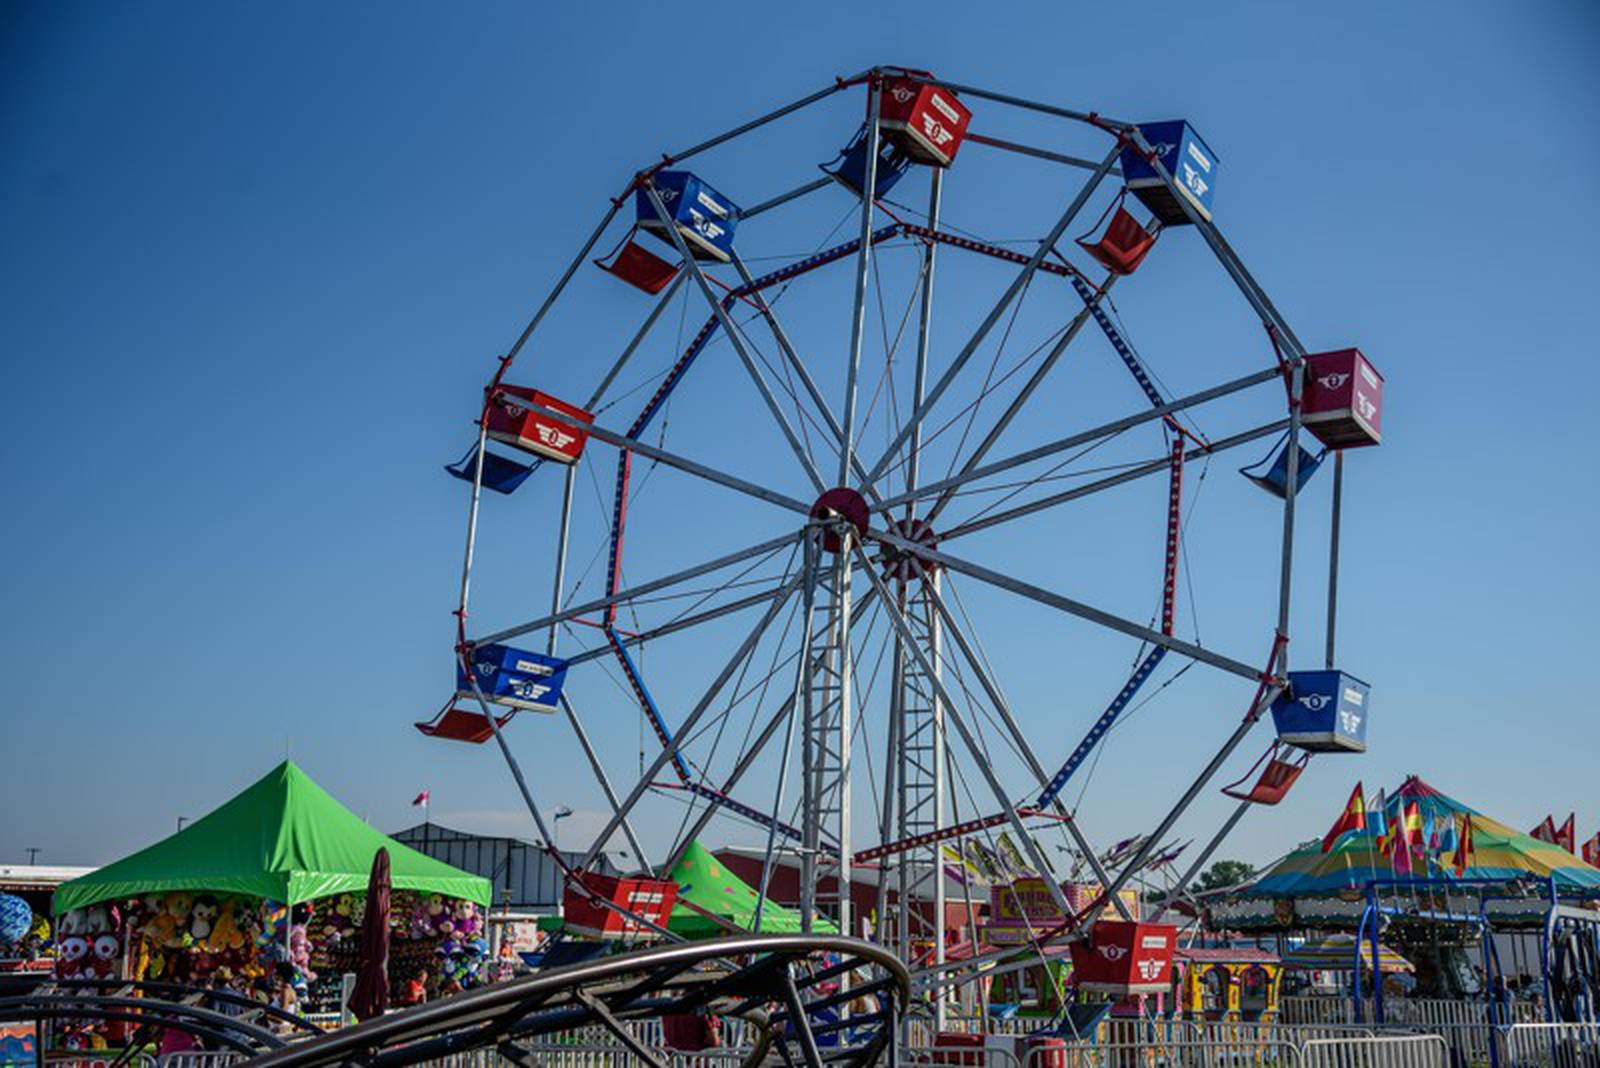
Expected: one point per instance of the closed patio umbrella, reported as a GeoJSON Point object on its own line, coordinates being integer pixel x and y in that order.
{"type": "Point", "coordinates": [371, 995]}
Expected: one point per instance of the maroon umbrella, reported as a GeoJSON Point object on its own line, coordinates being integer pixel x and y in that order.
{"type": "Point", "coordinates": [371, 995]}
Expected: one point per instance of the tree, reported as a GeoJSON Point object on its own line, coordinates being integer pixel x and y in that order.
{"type": "Point", "coordinates": [1224, 873]}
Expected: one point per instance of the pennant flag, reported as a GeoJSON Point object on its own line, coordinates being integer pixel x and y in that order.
{"type": "Point", "coordinates": [1407, 839]}
{"type": "Point", "coordinates": [1448, 838]}
{"type": "Point", "coordinates": [1546, 831]}
{"type": "Point", "coordinates": [1567, 836]}
{"type": "Point", "coordinates": [1378, 823]}
{"type": "Point", "coordinates": [420, 799]}
{"type": "Point", "coordinates": [1167, 856]}
{"type": "Point", "coordinates": [1463, 857]}
{"type": "Point", "coordinates": [1353, 818]}
{"type": "Point", "coordinates": [1012, 856]}
{"type": "Point", "coordinates": [1591, 851]}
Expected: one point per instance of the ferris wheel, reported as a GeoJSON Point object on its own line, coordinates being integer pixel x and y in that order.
{"type": "Point", "coordinates": [824, 438]}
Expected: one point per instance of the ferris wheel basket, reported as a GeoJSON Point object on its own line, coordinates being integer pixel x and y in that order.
{"type": "Point", "coordinates": [514, 678]}
{"type": "Point", "coordinates": [650, 899]}
{"type": "Point", "coordinates": [927, 122]}
{"type": "Point", "coordinates": [1343, 399]}
{"type": "Point", "coordinates": [1323, 712]}
{"type": "Point", "coordinates": [1186, 157]}
{"type": "Point", "coordinates": [533, 431]}
{"type": "Point", "coordinates": [1125, 242]}
{"type": "Point", "coordinates": [1123, 958]}
{"type": "Point", "coordinates": [703, 217]}
{"type": "Point", "coordinates": [458, 724]}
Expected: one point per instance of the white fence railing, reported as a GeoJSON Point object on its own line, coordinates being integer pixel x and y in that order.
{"type": "Point", "coordinates": [1421, 1012]}
{"type": "Point", "coordinates": [1389, 1051]}
{"type": "Point", "coordinates": [1557, 1045]}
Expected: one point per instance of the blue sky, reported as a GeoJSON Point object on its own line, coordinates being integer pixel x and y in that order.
{"type": "Point", "coordinates": [257, 262]}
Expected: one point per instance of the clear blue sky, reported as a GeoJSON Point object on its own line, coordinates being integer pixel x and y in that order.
{"type": "Point", "coordinates": [255, 261]}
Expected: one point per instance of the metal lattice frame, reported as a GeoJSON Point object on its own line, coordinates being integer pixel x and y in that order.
{"type": "Point", "coordinates": [837, 584]}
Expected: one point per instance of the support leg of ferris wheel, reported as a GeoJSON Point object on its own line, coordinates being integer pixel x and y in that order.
{"type": "Point", "coordinates": [826, 713]}
{"type": "Point", "coordinates": [954, 718]}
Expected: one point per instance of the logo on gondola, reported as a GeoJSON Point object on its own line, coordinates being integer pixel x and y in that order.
{"type": "Point", "coordinates": [529, 691]}
{"type": "Point", "coordinates": [1334, 381]}
{"type": "Point", "coordinates": [1316, 701]}
{"type": "Point", "coordinates": [554, 438]}
{"type": "Point", "coordinates": [936, 130]}
{"type": "Point", "coordinates": [902, 93]}
{"type": "Point", "coordinates": [1349, 722]}
{"type": "Point", "coordinates": [1149, 969]}
{"type": "Point", "coordinates": [1113, 952]}
{"type": "Point", "coordinates": [1368, 409]}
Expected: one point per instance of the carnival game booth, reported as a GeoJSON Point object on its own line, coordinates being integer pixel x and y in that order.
{"type": "Point", "coordinates": [1226, 982]}
{"type": "Point", "coordinates": [269, 887]}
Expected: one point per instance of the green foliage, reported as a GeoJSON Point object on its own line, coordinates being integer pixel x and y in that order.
{"type": "Point", "coordinates": [1224, 873]}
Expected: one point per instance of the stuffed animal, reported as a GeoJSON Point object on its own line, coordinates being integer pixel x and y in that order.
{"type": "Point", "coordinates": [203, 917]}
{"type": "Point", "coordinates": [107, 948]}
{"type": "Point", "coordinates": [300, 952]}
{"type": "Point", "coordinates": [100, 919]}
{"type": "Point", "coordinates": [73, 923]}
{"type": "Point", "coordinates": [71, 962]}
{"type": "Point", "coordinates": [225, 934]}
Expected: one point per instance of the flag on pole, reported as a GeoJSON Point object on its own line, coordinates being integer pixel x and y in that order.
{"type": "Point", "coordinates": [1449, 838]}
{"type": "Point", "coordinates": [1463, 856]}
{"type": "Point", "coordinates": [1353, 818]}
{"type": "Point", "coordinates": [1406, 841]}
{"type": "Point", "coordinates": [1378, 824]}
{"type": "Point", "coordinates": [1567, 836]}
{"type": "Point", "coordinates": [1591, 851]}
{"type": "Point", "coordinates": [420, 799]}
{"type": "Point", "coordinates": [1546, 831]}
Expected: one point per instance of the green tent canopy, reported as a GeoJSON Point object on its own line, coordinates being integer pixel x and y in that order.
{"type": "Point", "coordinates": [707, 885]}
{"type": "Point", "coordinates": [284, 838]}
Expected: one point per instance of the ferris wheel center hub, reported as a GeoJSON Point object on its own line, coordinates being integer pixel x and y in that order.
{"type": "Point", "coordinates": [904, 564]}
{"type": "Point", "coordinates": [844, 503]}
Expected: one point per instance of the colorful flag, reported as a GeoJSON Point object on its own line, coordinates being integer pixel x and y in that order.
{"type": "Point", "coordinates": [1448, 838]}
{"type": "Point", "coordinates": [1406, 842]}
{"type": "Point", "coordinates": [1546, 831]}
{"type": "Point", "coordinates": [1463, 857]}
{"type": "Point", "coordinates": [1378, 824]}
{"type": "Point", "coordinates": [420, 799]}
{"type": "Point", "coordinates": [1567, 836]}
{"type": "Point", "coordinates": [1353, 818]}
{"type": "Point", "coordinates": [1591, 851]}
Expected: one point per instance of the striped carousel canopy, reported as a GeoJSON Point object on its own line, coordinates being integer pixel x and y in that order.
{"type": "Point", "coordinates": [1498, 852]}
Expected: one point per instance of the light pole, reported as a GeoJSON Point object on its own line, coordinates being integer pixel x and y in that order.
{"type": "Point", "coordinates": [33, 851]}
{"type": "Point", "coordinates": [181, 821]}
{"type": "Point", "coordinates": [562, 812]}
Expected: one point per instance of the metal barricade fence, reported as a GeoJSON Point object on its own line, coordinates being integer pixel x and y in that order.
{"type": "Point", "coordinates": [1387, 1051]}
{"type": "Point", "coordinates": [200, 1059]}
{"type": "Point", "coordinates": [1552, 1045]}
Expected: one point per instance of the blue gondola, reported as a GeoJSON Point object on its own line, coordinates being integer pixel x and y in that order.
{"type": "Point", "coordinates": [703, 217]}
{"type": "Point", "coordinates": [1186, 157]}
{"type": "Point", "coordinates": [515, 678]}
{"type": "Point", "coordinates": [1275, 476]}
{"type": "Point", "coordinates": [849, 167]}
{"type": "Point", "coordinates": [1323, 712]}
{"type": "Point", "coordinates": [499, 474]}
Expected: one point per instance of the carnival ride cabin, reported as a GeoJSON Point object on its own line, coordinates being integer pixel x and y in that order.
{"type": "Point", "coordinates": [1225, 983]}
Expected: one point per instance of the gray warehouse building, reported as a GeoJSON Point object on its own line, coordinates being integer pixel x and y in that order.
{"type": "Point", "coordinates": [524, 877]}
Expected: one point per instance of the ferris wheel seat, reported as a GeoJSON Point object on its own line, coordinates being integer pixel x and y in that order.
{"type": "Point", "coordinates": [850, 167]}
{"type": "Point", "coordinates": [1123, 246]}
{"type": "Point", "coordinates": [500, 474]}
{"type": "Point", "coordinates": [514, 678]}
{"type": "Point", "coordinates": [1275, 479]}
{"type": "Point", "coordinates": [534, 431]}
{"type": "Point", "coordinates": [1187, 158]}
{"type": "Point", "coordinates": [639, 267]}
{"type": "Point", "coordinates": [1343, 399]}
{"type": "Point", "coordinates": [1276, 779]}
{"type": "Point", "coordinates": [927, 122]}
{"type": "Point", "coordinates": [459, 724]}
{"type": "Point", "coordinates": [1323, 712]}
{"type": "Point", "coordinates": [1123, 958]}
{"type": "Point", "coordinates": [650, 899]}
{"type": "Point", "coordinates": [703, 217]}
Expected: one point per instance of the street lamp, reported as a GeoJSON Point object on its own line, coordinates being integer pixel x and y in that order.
{"type": "Point", "coordinates": [562, 812]}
